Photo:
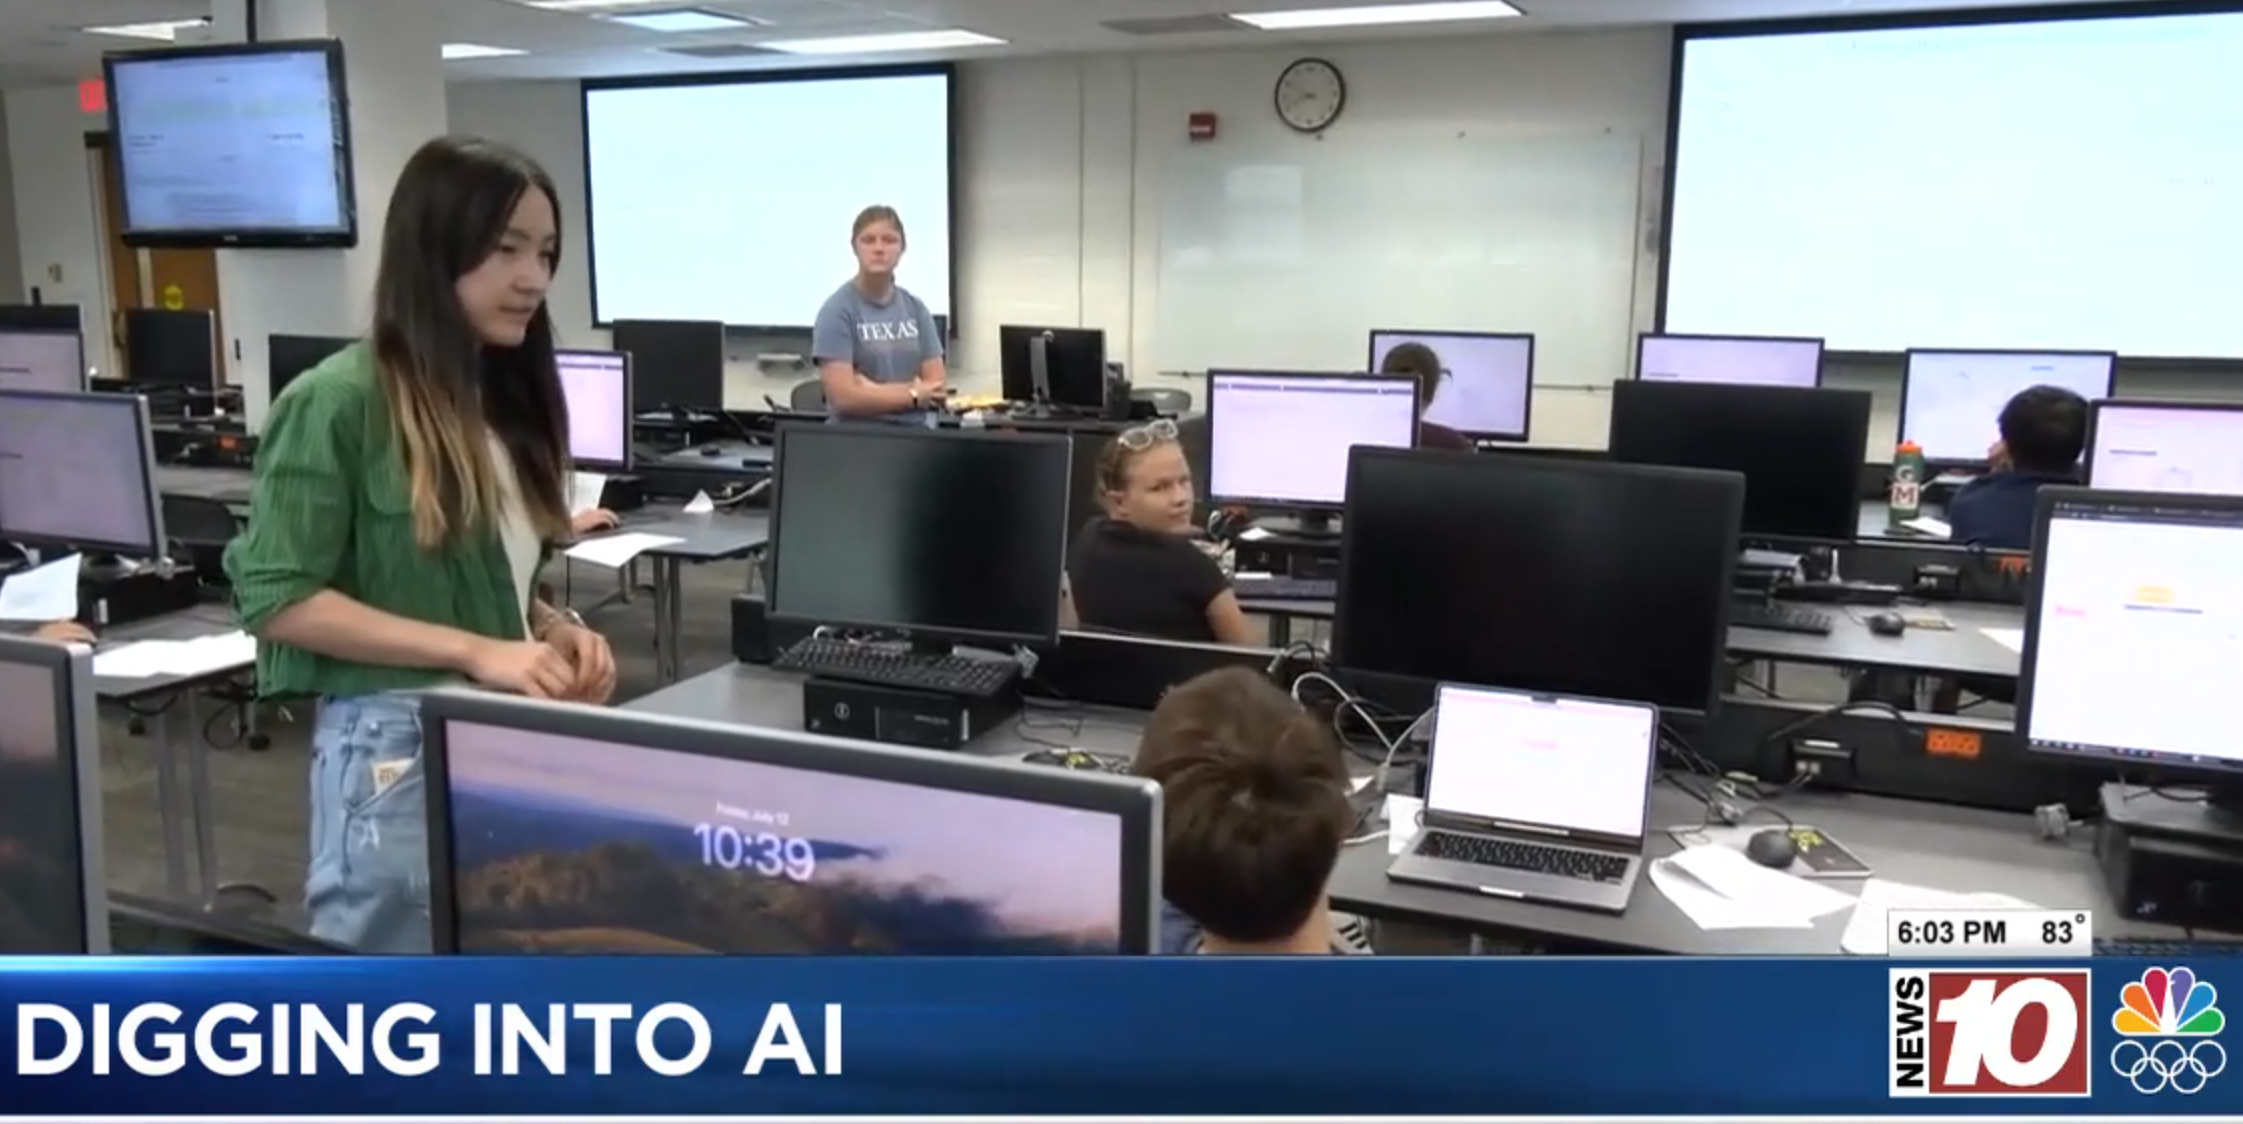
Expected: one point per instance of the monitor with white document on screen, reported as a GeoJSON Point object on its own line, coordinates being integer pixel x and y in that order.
{"type": "Point", "coordinates": [1951, 400]}
{"type": "Point", "coordinates": [597, 388]}
{"type": "Point", "coordinates": [2166, 447]}
{"type": "Point", "coordinates": [1487, 379]}
{"type": "Point", "coordinates": [77, 471]}
{"type": "Point", "coordinates": [42, 360]}
{"type": "Point", "coordinates": [1754, 360]}
{"type": "Point", "coordinates": [1281, 440]}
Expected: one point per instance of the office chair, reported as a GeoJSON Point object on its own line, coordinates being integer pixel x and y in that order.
{"type": "Point", "coordinates": [808, 395]}
{"type": "Point", "coordinates": [199, 529]}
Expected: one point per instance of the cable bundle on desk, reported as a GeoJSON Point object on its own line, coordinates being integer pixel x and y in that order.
{"type": "Point", "coordinates": [1344, 704]}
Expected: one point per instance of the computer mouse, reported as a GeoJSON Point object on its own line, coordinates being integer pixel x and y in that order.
{"type": "Point", "coordinates": [711, 450]}
{"type": "Point", "coordinates": [1772, 848]}
{"type": "Point", "coordinates": [1887, 624]}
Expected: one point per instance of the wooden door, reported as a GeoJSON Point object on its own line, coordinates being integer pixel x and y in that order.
{"type": "Point", "coordinates": [154, 278]}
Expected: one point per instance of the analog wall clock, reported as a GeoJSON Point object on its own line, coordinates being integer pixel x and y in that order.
{"type": "Point", "coordinates": [1310, 95]}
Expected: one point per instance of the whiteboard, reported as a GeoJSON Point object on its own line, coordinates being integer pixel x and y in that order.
{"type": "Point", "coordinates": [1285, 254]}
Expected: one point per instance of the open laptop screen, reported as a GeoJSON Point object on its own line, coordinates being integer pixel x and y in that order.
{"type": "Point", "coordinates": [1580, 765]}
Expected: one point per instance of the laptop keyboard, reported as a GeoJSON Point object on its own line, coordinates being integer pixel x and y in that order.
{"type": "Point", "coordinates": [1588, 866]}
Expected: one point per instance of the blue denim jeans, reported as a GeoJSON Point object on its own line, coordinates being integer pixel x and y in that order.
{"type": "Point", "coordinates": [368, 883]}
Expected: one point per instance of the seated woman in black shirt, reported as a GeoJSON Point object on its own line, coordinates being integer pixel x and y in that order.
{"type": "Point", "coordinates": [1135, 570]}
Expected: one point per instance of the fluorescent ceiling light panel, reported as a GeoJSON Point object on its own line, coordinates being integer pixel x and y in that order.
{"type": "Point", "coordinates": [162, 30]}
{"type": "Point", "coordinates": [681, 21]}
{"type": "Point", "coordinates": [885, 44]}
{"type": "Point", "coordinates": [1378, 15]}
{"type": "Point", "coordinates": [584, 5]}
{"type": "Point", "coordinates": [479, 51]}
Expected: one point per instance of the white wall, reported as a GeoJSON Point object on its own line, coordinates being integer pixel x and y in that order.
{"type": "Point", "coordinates": [58, 233]}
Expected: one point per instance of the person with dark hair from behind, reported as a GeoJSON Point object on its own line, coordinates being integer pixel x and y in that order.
{"type": "Point", "coordinates": [1254, 801]}
{"type": "Point", "coordinates": [1419, 362]}
{"type": "Point", "coordinates": [2043, 430]}
{"type": "Point", "coordinates": [1136, 570]}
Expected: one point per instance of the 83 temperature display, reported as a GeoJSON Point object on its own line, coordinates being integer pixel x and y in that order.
{"type": "Point", "coordinates": [1989, 932]}
{"type": "Point", "coordinates": [767, 853]}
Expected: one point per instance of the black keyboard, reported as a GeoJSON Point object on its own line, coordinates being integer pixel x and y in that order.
{"type": "Point", "coordinates": [1480, 850]}
{"type": "Point", "coordinates": [2183, 951]}
{"type": "Point", "coordinates": [1285, 589]}
{"type": "Point", "coordinates": [897, 667]}
{"type": "Point", "coordinates": [1779, 617]}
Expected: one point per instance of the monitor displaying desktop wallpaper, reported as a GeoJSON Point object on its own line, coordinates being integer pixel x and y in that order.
{"type": "Point", "coordinates": [42, 907]}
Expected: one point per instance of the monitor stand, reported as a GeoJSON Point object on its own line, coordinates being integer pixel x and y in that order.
{"type": "Point", "coordinates": [104, 569]}
{"type": "Point", "coordinates": [1310, 525]}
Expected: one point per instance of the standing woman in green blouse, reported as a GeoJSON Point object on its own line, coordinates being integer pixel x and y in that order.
{"type": "Point", "coordinates": [407, 490]}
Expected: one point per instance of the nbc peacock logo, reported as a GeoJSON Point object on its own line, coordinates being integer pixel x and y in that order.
{"type": "Point", "coordinates": [2168, 1022]}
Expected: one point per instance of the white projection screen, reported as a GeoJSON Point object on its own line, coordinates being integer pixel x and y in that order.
{"type": "Point", "coordinates": [729, 197]}
{"type": "Point", "coordinates": [2038, 184]}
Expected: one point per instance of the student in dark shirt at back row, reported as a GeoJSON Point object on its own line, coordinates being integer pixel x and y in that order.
{"type": "Point", "coordinates": [1419, 362]}
{"type": "Point", "coordinates": [1136, 570]}
{"type": "Point", "coordinates": [2043, 430]}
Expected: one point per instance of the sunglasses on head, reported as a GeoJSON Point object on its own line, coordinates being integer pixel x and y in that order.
{"type": "Point", "coordinates": [1137, 439]}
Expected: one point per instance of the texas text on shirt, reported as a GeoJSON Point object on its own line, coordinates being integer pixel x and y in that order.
{"type": "Point", "coordinates": [1144, 583]}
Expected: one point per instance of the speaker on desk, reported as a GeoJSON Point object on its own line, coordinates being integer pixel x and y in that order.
{"type": "Point", "coordinates": [758, 639]}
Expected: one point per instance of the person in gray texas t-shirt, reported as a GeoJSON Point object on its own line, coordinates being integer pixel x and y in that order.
{"type": "Point", "coordinates": [878, 350]}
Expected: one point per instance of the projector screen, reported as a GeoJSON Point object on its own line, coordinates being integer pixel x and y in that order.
{"type": "Point", "coordinates": [2059, 184]}
{"type": "Point", "coordinates": [731, 200]}
{"type": "Point", "coordinates": [233, 146]}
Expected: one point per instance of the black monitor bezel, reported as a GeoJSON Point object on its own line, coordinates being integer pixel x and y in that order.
{"type": "Point", "coordinates": [630, 409]}
{"type": "Point", "coordinates": [1214, 432]}
{"type": "Point", "coordinates": [58, 332]}
{"type": "Point", "coordinates": [45, 318]}
{"type": "Point", "coordinates": [1010, 380]}
{"type": "Point", "coordinates": [1415, 693]}
{"type": "Point", "coordinates": [1907, 379]}
{"type": "Point", "coordinates": [715, 405]}
{"type": "Point", "coordinates": [1526, 415]}
{"type": "Point", "coordinates": [1822, 352]}
{"type": "Point", "coordinates": [1832, 535]}
{"type": "Point", "coordinates": [69, 668]}
{"type": "Point", "coordinates": [138, 380]}
{"type": "Point", "coordinates": [160, 546]}
{"type": "Point", "coordinates": [272, 340]}
{"type": "Point", "coordinates": [2095, 410]}
{"type": "Point", "coordinates": [341, 236]}
{"type": "Point", "coordinates": [775, 609]}
{"type": "Point", "coordinates": [1136, 802]}
{"type": "Point", "coordinates": [2138, 765]}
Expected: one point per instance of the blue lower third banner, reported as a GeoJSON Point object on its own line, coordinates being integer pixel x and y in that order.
{"type": "Point", "coordinates": [1174, 1036]}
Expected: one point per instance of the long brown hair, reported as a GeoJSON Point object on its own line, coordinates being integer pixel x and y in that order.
{"type": "Point", "coordinates": [445, 389]}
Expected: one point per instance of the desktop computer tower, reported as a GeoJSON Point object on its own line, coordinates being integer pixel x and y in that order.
{"type": "Point", "coordinates": [901, 716]}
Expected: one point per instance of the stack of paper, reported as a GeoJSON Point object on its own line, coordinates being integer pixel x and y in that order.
{"type": "Point", "coordinates": [1865, 930]}
{"type": "Point", "coordinates": [203, 655]}
{"type": "Point", "coordinates": [43, 595]}
{"type": "Point", "coordinates": [1719, 888]}
{"type": "Point", "coordinates": [617, 551]}
{"type": "Point", "coordinates": [585, 492]}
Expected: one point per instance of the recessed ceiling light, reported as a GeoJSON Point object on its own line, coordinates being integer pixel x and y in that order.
{"type": "Point", "coordinates": [682, 20]}
{"type": "Point", "coordinates": [479, 51]}
{"type": "Point", "coordinates": [885, 44]}
{"type": "Point", "coordinates": [590, 5]}
{"type": "Point", "coordinates": [1442, 12]}
{"type": "Point", "coordinates": [161, 30]}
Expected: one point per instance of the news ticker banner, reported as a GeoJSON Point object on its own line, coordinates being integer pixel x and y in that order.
{"type": "Point", "coordinates": [1369, 1036]}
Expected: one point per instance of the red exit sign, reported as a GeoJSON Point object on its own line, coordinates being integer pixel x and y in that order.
{"type": "Point", "coordinates": [93, 96]}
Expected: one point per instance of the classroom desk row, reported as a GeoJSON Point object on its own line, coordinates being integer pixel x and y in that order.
{"type": "Point", "coordinates": [1935, 846]}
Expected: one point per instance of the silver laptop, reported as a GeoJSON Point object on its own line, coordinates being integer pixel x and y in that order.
{"type": "Point", "coordinates": [1544, 798]}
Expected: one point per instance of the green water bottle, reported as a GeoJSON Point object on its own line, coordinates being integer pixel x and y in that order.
{"type": "Point", "coordinates": [1905, 495]}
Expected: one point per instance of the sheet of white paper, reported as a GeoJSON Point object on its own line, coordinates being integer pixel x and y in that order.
{"type": "Point", "coordinates": [1709, 910]}
{"type": "Point", "coordinates": [700, 504]}
{"type": "Point", "coordinates": [201, 655]}
{"type": "Point", "coordinates": [1866, 931]}
{"type": "Point", "coordinates": [42, 594]}
{"type": "Point", "coordinates": [585, 490]}
{"type": "Point", "coordinates": [1926, 525]}
{"type": "Point", "coordinates": [617, 551]}
{"type": "Point", "coordinates": [1760, 889]}
{"type": "Point", "coordinates": [2010, 638]}
{"type": "Point", "coordinates": [1253, 534]}
{"type": "Point", "coordinates": [1401, 821]}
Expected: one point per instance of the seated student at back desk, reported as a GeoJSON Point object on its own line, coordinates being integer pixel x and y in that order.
{"type": "Point", "coordinates": [1255, 811]}
{"type": "Point", "coordinates": [2044, 430]}
{"type": "Point", "coordinates": [1419, 362]}
{"type": "Point", "coordinates": [1135, 570]}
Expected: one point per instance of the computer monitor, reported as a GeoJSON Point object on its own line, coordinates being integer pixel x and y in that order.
{"type": "Point", "coordinates": [597, 386]}
{"type": "Point", "coordinates": [52, 878]}
{"type": "Point", "coordinates": [1487, 379]}
{"type": "Point", "coordinates": [1568, 577]}
{"type": "Point", "coordinates": [1754, 360]}
{"type": "Point", "coordinates": [1951, 401]}
{"type": "Point", "coordinates": [78, 471]}
{"type": "Point", "coordinates": [1277, 439]}
{"type": "Point", "coordinates": [171, 347]}
{"type": "Point", "coordinates": [559, 828]}
{"type": "Point", "coordinates": [40, 317]}
{"type": "Point", "coordinates": [287, 357]}
{"type": "Point", "coordinates": [42, 359]}
{"type": "Point", "coordinates": [2138, 446]}
{"type": "Point", "coordinates": [1800, 450]}
{"type": "Point", "coordinates": [2133, 632]}
{"type": "Point", "coordinates": [675, 364]}
{"type": "Point", "coordinates": [942, 534]}
{"type": "Point", "coordinates": [1074, 365]}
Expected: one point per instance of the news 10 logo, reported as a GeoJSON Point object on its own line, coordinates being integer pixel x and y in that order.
{"type": "Point", "coordinates": [2029, 1032]}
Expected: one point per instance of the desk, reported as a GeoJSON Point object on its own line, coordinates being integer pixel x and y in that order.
{"type": "Point", "coordinates": [229, 486]}
{"type": "Point", "coordinates": [715, 537]}
{"type": "Point", "coordinates": [174, 693]}
{"type": "Point", "coordinates": [1932, 845]}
